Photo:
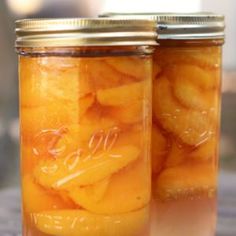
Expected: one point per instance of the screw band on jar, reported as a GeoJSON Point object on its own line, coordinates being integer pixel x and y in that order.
{"type": "Point", "coordinates": [84, 32]}
{"type": "Point", "coordinates": [181, 26]}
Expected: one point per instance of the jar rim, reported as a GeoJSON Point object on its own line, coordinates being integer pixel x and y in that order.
{"type": "Point", "coordinates": [61, 32]}
{"type": "Point", "coordinates": [180, 26]}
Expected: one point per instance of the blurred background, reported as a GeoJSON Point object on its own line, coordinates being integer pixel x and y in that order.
{"type": "Point", "coordinates": [10, 10]}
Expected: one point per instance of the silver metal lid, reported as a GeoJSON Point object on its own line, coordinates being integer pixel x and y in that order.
{"type": "Point", "coordinates": [84, 32]}
{"type": "Point", "coordinates": [181, 26]}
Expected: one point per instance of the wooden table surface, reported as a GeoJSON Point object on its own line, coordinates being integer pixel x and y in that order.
{"type": "Point", "coordinates": [10, 219]}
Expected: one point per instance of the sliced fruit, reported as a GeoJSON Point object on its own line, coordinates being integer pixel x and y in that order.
{"type": "Point", "coordinates": [138, 68]}
{"type": "Point", "coordinates": [136, 137]}
{"type": "Point", "coordinates": [186, 182]}
{"type": "Point", "coordinates": [177, 154]}
{"type": "Point", "coordinates": [192, 127]}
{"type": "Point", "coordinates": [193, 97]}
{"type": "Point", "coordinates": [35, 121]}
{"type": "Point", "coordinates": [84, 104]}
{"type": "Point", "coordinates": [36, 199]}
{"type": "Point", "coordinates": [205, 151]}
{"type": "Point", "coordinates": [183, 74]}
{"type": "Point", "coordinates": [95, 116]}
{"type": "Point", "coordinates": [205, 57]}
{"type": "Point", "coordinates": [122, 95]}
{"type": "Point", "coordinates": [208, 57]}
{"type": "Point", "coordinates": [159, 149]}
{"type": "Point", "coordinates": [79, 169]}
{"type": "Point", "coordinates": [90, 194]}
{"type": "Point", "coordinates": [100, 74]}
{"type": "Point", "coordinates": [46, 80]}
{"type": "Point", "coordinates": [94, 192]}
{"type": "Point", "coordinates": [131, 113]}
{"type": "Point", "coordinates": [80, 222]}
{"type": "Point", "coordinates": [128, 190]}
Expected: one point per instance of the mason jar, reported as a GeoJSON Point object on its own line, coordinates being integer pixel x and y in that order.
{"type": "Point", "coordinates": [85, 125]}
{"type": "Point", "coordinates": [186, 121]}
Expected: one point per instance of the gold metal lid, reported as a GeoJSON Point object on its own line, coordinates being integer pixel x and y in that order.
{"type": "Point", "coordinates": [181, 26]}
{"type": "Point", "coordinates": [84, 32]}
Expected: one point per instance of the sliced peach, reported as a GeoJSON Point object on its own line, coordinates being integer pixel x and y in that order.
{"type": "Point", "coordinates": [135, 66]}
{"type": "Point", "coordinates": [207, 57]}
{"type": "Point", "coordinates": [192, 127]}
{"type": "Point", "coordinates": [97, 115]}
{"type": "Point", "coordinates": [131, 113]}
{"type": "Point", "coordinates": [128, 190]}
{"type": "Point", "coordinates": [45, 80]}
{"type": "Point", "coordinates": [79, 169]}
{"type": "Point", "coordinates": [100, 74]}
{"type": "Point", "coordinates": [205, 151]}
{"type": "Point", "coordinates": [36, 198]}
{"type": "Point", "coordinates": [159, 149]}
{"type": "Point", "coordinates": [177, 154]}
{"type": "Point", "coordinates": [186, 181]}
{"type": "Point", "coordinates": [90, 194]}
{"type": "Point", "coordinates": [193, 97]}
{"type": "Point", "coordinates": [35, 121]}
{"type": "Point", "coordinates": [84, 104]}
{"type": "Point", "coordinates": [40, 120]}
{"type": "Point", "coordinates": [80, 222]}
{"type": "Point", "coordinates": [139, 137]}
{"type": "Point", "coordinates": [183, 74]}
{"type": "Point", "coordinates": [122, 95]}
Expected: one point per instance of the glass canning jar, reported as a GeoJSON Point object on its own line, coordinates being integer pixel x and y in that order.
{"type": "Point", "coordinates": [85, 124]}
{"type": "Point", "coordinates": [186, 121]}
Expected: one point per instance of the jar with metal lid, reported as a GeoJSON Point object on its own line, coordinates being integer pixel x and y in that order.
{"type": "Point", "coordinates": [186, 121]}
{"type": "Point", "coordinates": [85, 121]}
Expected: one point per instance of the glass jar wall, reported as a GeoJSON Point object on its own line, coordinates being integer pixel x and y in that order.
{"type": "Point", "coordinates": [186, 121]}
{"type": "Point", "coordinates": [185, 137]}
{"type": "Point", "coordinates": [85, 119]}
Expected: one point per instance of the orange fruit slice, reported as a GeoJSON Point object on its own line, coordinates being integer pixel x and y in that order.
{"type": "Point", "coordinates": [128, 190]}
{"type": "Point", "coordinates": [192, 127]}
{"type": "Point", "coordinates": [205, 57]}
{"type": "Point", "coordinates": [177, 154]}
{"type": "Point", "coordinates": [99, 74]}
{"type": "Point", "coordinates": [36, 198]}
{"type": "Point", "coordinates": [36, 121]}
{"type": "Point", "coordinates": [186, 182]}
{"type": "Point", "coordinates": [122, 95]}
{"type": "Point", "coordinates": [131, 113]}
{"type": "Point", "coordinates": [45, 80]}
{"type": "Point", "coordinates": [134, 66]}
{"type": "Point", "coordinates": [79, 170]}
{"type": "Point", "coordinates": [80, 222]}
{"type": "Point", "coordinates": [206, 151]}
